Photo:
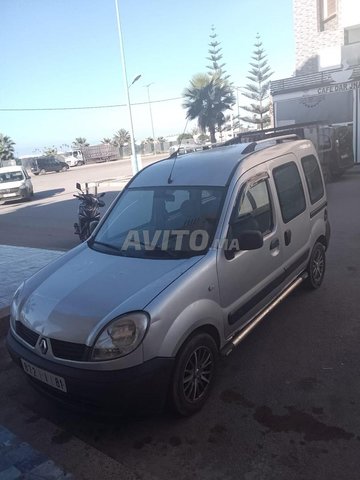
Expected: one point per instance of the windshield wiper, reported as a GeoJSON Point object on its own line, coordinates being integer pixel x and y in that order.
{"type": "Point", "coordinates": [109, 246]}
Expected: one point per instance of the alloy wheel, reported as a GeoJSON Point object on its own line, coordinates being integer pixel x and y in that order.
{"type": "Point", "coordinates": [198, 372]}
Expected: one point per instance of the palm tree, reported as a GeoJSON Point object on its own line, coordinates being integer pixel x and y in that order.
{"type": "Point", "coordinates": [120, 139]}
{"type": "Point", "coordinates": [50, 150]}
{"type": "Point", "coordinates": [6, 148]}
{"type": "Point", "coordinates": [79, 143]}
{"type": "Point", "coordinates": [206, 99]}
{"type": "Point", "coordinates": [161, 141]}
{"type": "Point", "coordinates": [150, 141]}
{"type": "Point", "coordinates": [106, 141]}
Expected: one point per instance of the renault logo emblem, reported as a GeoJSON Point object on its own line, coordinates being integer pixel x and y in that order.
{"type": "Point", "coordinates": [43, 346]}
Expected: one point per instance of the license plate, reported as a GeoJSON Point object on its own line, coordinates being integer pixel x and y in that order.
{"type": "Point", "coordinates": [44, 376]}
{"type": "Point", "coordinates": [7, 195]}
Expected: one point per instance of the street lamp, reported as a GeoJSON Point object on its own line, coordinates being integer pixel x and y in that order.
{"type": "Point", "coordinates": [134, 160]}
{"type": "Point", "coordinates": [150, 111]}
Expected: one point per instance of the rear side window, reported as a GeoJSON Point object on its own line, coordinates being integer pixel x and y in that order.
{"type": "Point", "coordinates": [290, 191]}
{"type": "Point", "coordinates": [313, 178]}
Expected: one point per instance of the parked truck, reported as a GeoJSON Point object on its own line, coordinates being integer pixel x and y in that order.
{"type": "Point", "coordinates": [334, 143]}
{"type": "Point", "coordinates": [103, 152]}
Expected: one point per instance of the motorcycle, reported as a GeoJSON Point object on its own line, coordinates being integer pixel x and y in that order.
{"type": "Point", "coordinates": [88, 213]}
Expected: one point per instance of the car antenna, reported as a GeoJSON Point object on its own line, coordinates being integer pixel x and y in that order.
{"type": "Point", "coordinates": [175, 154]}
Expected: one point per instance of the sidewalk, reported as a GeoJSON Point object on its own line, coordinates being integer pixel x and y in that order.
{"type": "Point", "coordinates": [18, 460]}
{"type": "Point", "coordinates": [16, 265]}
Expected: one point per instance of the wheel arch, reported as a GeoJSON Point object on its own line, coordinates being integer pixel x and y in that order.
{"type": "Point", "coordinates": [322, 239]}
{"type": "Point", "coordinates": [206, 328]}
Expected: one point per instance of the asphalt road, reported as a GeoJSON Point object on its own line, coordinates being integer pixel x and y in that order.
{"type": "Point", "coordinates": [47, 221]}
{"type": "Point", "coordinates": [285, 406]}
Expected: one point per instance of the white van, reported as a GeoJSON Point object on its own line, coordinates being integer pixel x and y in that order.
{"type": "Point", "coordinates": [15, 184]}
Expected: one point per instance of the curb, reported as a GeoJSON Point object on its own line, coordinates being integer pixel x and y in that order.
{"type": "Point", "coordinates": [111, 182]}
{"type": "Point", "coordinates": [4, 321]}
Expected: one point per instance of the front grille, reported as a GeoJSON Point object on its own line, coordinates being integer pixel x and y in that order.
{"type": "Point", "coordinates": [26, 334]}
{"type": "Point", "coordinates": [9, 190]}
{"type": "Point", "coordinates": [68, 350]}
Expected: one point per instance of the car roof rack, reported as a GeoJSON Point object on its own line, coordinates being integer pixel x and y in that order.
{"type": "Point", "coordinates": [272, 140]}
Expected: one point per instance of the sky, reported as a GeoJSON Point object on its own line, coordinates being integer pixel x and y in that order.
{"type": "Point", "coordinates": [65, 53]}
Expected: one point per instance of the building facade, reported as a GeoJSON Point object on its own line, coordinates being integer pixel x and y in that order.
{"type": "Point", "coordinates": [326, 84]}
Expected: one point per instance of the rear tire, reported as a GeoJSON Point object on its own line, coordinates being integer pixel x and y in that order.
{"type": "Point", "coordinates": [316, 267]}
{"type": "Point", "coordinates": [194, 374]}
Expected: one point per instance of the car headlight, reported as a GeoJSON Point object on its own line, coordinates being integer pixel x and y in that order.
{"type": "Point", "coordinates": [22, 186]}
{"type": "Point", "coordinates": [14, 308]}
{"type": "Point", "coordinates": [121, 336]}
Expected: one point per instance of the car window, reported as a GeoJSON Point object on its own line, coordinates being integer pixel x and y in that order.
{"type": "Point", "coordinates": [172, 219]}
{"type": "Point", "coordinates": [133, 211]}
{"type": "Point", "coordinates": [176, 199]}
{"type": "Point", "coordinates": [290, 191]}
{"type": "Point", "coordinates": [313, 178]}
{"type": "Point", "coordinates": [11, 177]}
{"type": "Point", "coordinates": [253, 210]}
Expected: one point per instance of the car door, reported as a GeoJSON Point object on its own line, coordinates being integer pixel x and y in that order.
{"type": "Point", "coordinates": [251, 277]}
{"type": "Point", "coordinates": [289, 183]}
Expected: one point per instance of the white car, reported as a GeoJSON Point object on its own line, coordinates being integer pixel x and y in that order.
{"type": "Point", "coordinates": [74, 160]}
{"type": "Point", "coordinates": [15, 184]}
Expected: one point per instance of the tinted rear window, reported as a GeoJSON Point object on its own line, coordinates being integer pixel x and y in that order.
{"type": "Point", "coordinates": [313, 178]}
{"type": "Point", "coordinates": [290, 191]}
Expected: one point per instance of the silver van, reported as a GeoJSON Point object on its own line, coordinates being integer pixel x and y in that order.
{"type": "Point", "coordinates": [192, 254]}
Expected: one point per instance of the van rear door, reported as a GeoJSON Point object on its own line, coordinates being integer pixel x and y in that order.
{"type": "Point", "coordinates": [289, 185]}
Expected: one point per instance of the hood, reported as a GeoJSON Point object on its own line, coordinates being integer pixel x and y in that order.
{"type": "Point", "coordinates": [7, 185]}
{"type": "Point", "coordinates": [69, 298]}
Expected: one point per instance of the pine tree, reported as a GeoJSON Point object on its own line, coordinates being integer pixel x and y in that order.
{"type": "Point", "coordinates": [258, 90]}
{"type": "Point", "coordinates": [215, 57]}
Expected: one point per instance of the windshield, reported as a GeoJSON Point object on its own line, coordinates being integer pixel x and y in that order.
{"type": "Point", "coordinates": [161, 222]}
{"type": "Point", "coordinates": [16, 176]}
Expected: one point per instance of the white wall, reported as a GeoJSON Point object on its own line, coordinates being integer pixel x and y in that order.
{"type": "Point", "coordinates": [350, 12]}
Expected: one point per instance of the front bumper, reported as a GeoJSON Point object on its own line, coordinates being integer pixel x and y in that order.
{"type": "Point", "coordinates": [20, 194]}
{"type": "Point", "coordinates": [142, 388]}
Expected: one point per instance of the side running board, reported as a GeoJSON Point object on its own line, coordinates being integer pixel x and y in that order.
{"type": "Point", "coordinates": [234, 342]}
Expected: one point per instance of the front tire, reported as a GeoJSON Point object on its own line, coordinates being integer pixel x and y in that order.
{"type": "Point", "coordinates": [316, 267]}
{"type": "Point", "coordinates": [194, 374]}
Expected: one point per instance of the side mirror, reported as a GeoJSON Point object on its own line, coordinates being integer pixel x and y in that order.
{"type": "Point", "coordinates": [247, 240]}
{"type": "Point", "coordinates": [250, 240]}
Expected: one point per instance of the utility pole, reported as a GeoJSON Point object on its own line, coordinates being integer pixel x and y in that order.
{"type": "Point", "coordinates": [134, 161]}
{"type": "Point", "coordinates": [150, 112]}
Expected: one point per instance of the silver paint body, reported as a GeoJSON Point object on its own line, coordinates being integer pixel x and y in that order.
{"type": "Point", "coordinates": [73, 298]}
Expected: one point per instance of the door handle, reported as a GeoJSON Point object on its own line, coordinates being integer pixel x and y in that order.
{"type": "Point", "coordinates": [274, 244]}
{"type": "Point", "coordinates": [287, 237]}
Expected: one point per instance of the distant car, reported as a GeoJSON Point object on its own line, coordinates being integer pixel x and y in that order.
{"type": "Point", "coordinates": [46, 164]}
{"type": "Point", "coordinates": [74, 161]}
{"type": "Point", "coordinates": [15, 184]}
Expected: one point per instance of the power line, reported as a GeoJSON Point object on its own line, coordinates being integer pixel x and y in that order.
{"type": "Point", "coordinates": [83, 108]}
